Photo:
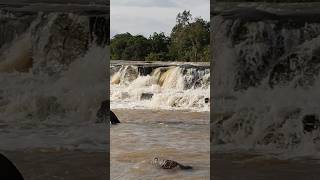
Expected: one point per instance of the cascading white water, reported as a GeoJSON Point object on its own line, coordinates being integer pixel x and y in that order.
{"type": "Point", "coordinates": [172, 87]}
{"type": "Point", "coordinates": [30, 101]}
{"type": "Point", "coordinates": [265, 87]}
{"type": "Point", "coordinates": [49, 94]}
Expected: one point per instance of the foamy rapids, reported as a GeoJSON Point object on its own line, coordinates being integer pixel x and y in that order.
{"type": "Point", "coordinates": [160, 86]}
{"type": "Point", "coordinates": [266, 100]}
{"type": "Point", "coordinates": [51, 82]}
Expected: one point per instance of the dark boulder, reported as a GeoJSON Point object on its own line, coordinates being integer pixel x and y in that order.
{"type": "Point", "coordinates": [310, 123]}
{"type": "Point", "coordinates": [146, 96]}
{"type": "Point", "coordinates": [113, 118]}
{"type": "Point", "coordinates": [8, 170]}
{"type": "Point", "coordinates": [206, 100]}
{"type": "Point", "coordinates": [104, 113]}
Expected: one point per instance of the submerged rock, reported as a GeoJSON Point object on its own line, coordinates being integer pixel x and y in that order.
{"type": "Point", "coordinates": [104, 114]}
{"type": "Point", "coordinates": [206, 100]}
{"type": "Point", "coordinates": [146, 96]}
{"type": "Point", "coordinates": [310, 122]}
{"type": "Point", "coordinates": [168, 164]}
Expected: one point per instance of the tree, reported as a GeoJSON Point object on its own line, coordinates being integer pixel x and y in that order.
{"type": "Point", "coordinates": [189, 41]}
{"type": "Point", "coordinates": [159, 42]}
{"type": "Point", "coordinates": [184, 18]}
{"type": "Point", "coordinates": [159, 47]}
{"type": "Point", "coordinates": [199, 35]}
{"type": "Point", "coordinates": [128, 47]}
{"type": "Point", "coordinates": [118, 45]}
{"type": "Point", "coordinates": [138, 47]}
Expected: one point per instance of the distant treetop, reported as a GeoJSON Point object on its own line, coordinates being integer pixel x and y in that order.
{"type": "Point", "coordinates": [189, 41]}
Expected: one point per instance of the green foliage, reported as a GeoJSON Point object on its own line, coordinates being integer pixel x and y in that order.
{"type": "Point", "coordinates": [189, 41]}
{"type": "Point", "coordinates": [138, 48]}
{"type": "Point", "coordinates": [126, 46]}
{"type": "Point", "coordinates": [153, 57]}
{"type": "Point", "coordinates": [118, 45]}
{"type": "Point", "coordinates": [159, 42]}
{"type": "Point", "coordinates": [184, 18]}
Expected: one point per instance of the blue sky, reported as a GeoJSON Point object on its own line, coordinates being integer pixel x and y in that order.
{"type": "Point", "coordinates": [148, 16]}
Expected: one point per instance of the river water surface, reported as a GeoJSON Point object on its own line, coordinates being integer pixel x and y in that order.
{"type": "Point", "coordinates": [164, 111]}
{"type": "Point", "coordinates": [144, 134]}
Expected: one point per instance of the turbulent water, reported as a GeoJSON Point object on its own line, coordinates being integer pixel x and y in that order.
{"type": "Point", "coordinates": [171, 86]}
{"type": "Point", "coordinates": [164, 111]}
{"type": "Point", "coordinates": [144, 134]}
{"type": "Point", "coordinates": [52, 76]}
{"type": "Point", "coordinates": [266, 81]}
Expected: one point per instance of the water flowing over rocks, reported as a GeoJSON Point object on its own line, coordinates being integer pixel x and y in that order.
{"type": "Point", "coordinates": [47, 41]}
{"type": "Point", "coordinates": [53, 64]}
{"type": "Point", "coordinates": [160, 84]}
{"type": "Point", "coordinates": [270, 47]}
{"type": "Point", "coordinates": [266, 78]}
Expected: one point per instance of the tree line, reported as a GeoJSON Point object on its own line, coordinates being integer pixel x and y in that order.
{"type": "Point", "coordinates": [189, 41]}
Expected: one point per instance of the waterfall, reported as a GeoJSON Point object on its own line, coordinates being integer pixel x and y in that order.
{"type": "Point", "coordinates": [53, 60]}
{"type": "Point", "coordinates": [266, 83]}
{"type": "Point", "coordinates": [51, 70]}
{"type": "Point", "coordinates": [164, 87]}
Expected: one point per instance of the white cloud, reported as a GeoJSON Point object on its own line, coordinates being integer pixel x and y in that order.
{"type": "Point", "coordinates": [148, 16]}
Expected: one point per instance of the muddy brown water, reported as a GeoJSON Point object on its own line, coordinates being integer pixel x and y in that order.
{"type": "Point", "coordinates": [60, 165]}
{"type": "Point", "coordinates": [143, 134]}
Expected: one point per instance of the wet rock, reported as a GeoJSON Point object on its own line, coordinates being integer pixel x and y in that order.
{"type": "Point", "coordinates": [113, 118]}
{"type": "Point", "coordinates": [272, 138]}
{"type": "Point", "coordinates": [206, 100]}
{"type": "Point", "coordinates": [8, 169]}
{"type": "Point", "coordinates": [146, 96]}
{"type": "Point", "coordinates": [104, 114]}
{"type": "Point", "coordinates": [114, 69]}
{"type": "Point", "coordinates": [168, 164]}
{"type": "Point", "coordinates": [128, 74]}
{"type": "Point", "coordinates": [145, 70]}
{"type": "Point", "coordinates": [300, 67]}
{"type": "Point", "coordinates": [99, 30]}
{"type": "Point", "coordinates": [195, 77]}
{"type": "Point", "coordinates": [310, 123]}
{"type": "Point", "coordinates": [280, 48]}
{"type": "Point", "coordinates": [66, 40]}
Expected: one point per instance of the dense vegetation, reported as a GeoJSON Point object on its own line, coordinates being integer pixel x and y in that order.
{"type": "Point", "coordinates": [189, 41]}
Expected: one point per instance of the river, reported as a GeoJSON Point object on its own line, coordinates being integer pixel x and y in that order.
{"type": "Point", "coordinates": [171, 121]}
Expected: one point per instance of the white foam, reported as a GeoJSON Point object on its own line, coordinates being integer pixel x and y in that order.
{"type": "Point", "coordinates": [263, 118]}
{"type": "Point", "coordinates": [168, 89]}
{"type": "Point", "coordinates": [45, 104]}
